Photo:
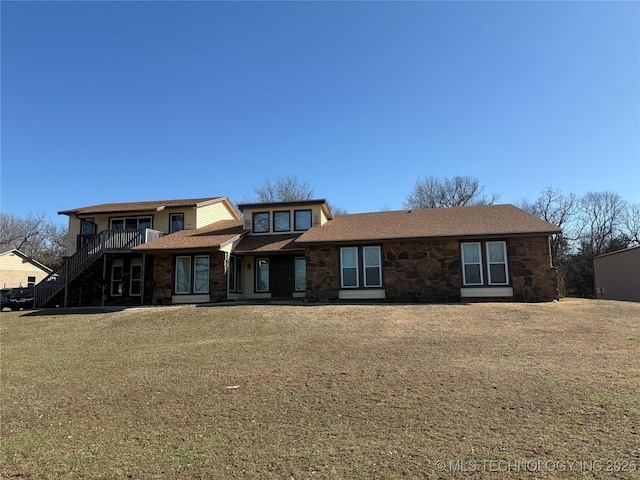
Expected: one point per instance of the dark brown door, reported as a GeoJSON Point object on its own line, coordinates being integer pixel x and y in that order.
{"type": "Point", "coordinates": [281, 276]}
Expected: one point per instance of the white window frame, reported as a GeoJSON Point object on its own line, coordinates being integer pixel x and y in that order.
{"type": "Point", "coordinates": [342, 267]}
{"type": "Point", "coordinates": [505, 263]}
{"type": "Point", "coordinates": [117, 263]}
{"type": "Point", "coordinates": [479, 262]}
{"type": "Point", "coordinates": [135, 262]}
{"type": "Point", "coordinates": [378, 266]}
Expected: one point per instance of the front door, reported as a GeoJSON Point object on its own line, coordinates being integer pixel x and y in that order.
{"type": "Point", "coordinates": [281, 276]}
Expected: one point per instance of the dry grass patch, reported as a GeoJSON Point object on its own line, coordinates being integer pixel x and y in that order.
{"type": "Point", "coordinates": [321, 391]}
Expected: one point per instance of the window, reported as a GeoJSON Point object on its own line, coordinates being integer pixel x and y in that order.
{"type": "Point", "coordinates": [300, 274]}
{"type": "Point", "coordinates": [302, 220]}
{"type": "Point", "coordinates": [201, 274]}
{"type": "Point", "coordinates": [262, 274]}
{"type": "Point", "coordinates": [176, 222]}
{"type": "Point", "coordinates": [183, 275]}
{"type": "Point", "coordinates": [87, 226]}
{"type": "Point", "coordinates": [135, 278]}
{"type": "Point", "coordinates": [471, 264]}
{"type": "Point", "coordinates": [497, 263]}
{"type": "Point", "coordinates": [484, 266]}
{"type": "Point", "coordinates": [117, 278]}
{"type": "Point", "coordinates": [261, 222]}
{"type": "Point", "coordinates": [192, 280]}
{"type": "Point", "coordinates": [130, 223]}
{"type": "Point", "coordinates": [361, 262]}
{"type": "Point", "coordinates": [349, 266]}
{"type": "Point", "coordinates": [281, 221]}
{"type": "Point", "coordinates": [31, 282]}
{"type": "Point", "coordinates": [235, 274]}
{"type": "Point", "coordinates": [372, 267]}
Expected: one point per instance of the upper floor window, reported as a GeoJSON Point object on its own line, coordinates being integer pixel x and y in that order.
{"type": "Point", "coordinates": [176, 222]}
{"type": "Point", "coordinates": [31, 282]}
{"type": "Point", "coordinates": [281, 221]}
{"type": "Point", "coordinates": [261, 222]}
{"type": "Point", "coordinates": [302, 220]}
{"type": "Point", "coordinates": [130, 223]}
{"type": "Point", "coordinates": [87, 226]}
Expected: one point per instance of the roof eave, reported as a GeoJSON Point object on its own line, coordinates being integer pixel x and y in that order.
{"type": "Point", "coordinates": [471, 236]}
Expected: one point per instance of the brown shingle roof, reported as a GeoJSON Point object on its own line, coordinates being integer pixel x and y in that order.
{"type": "Point", "coordinates": [488, 220]}
{"type": "Point", "coordinates": [151, 206]}
{"type": "Point", "coordinates": [269, 244]}
{"type": "Point", "coordinates": [206, 238]}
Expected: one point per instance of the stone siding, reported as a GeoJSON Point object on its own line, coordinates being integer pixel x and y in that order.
{"type": "Point", "coordinates": [163, 278]}
{"type": "Point", "coordinates": [430, 271]}
{"type": "Point", "coordinates": [422, 271]}
{"type": "Point", "coordinates": [534, 278]}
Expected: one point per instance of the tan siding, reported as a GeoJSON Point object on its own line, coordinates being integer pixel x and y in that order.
{"type": "Point", "coordinates": [212, 213]}
{"type": "Point", "coordinates": [618, 274]}
{"type": "Point", "coordinates": [317, 215]}
{"type": "Point", "coordinates": [15, 270]}
{"type": "Point", "coordinates": [74, 231]}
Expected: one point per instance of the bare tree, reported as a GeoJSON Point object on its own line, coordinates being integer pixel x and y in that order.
{"type": "Point", "coordinates": [603, 214]}
{"type": "Point", "coordinates": [34, 236]}
{"type": "Point", "coordinates": [561, 210]}
{"type": "Point", "coordinates": [289, 188]}
{"type": "Point", "coordinates": [459, 191]}
{"type": "Point", "coordinates": [631, 223]}
{"type": "Point", "coordinates": [283, 189]}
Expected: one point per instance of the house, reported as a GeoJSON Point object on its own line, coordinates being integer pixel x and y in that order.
{"type": "Point", "coordinates": [257, 258]}
{"type": "Point", "coordinates": [20, 270]}
{"type": "Point", "coordinates": [299, 250]}
{"type": "Point", "coordinates": [617, 275]}
{"type": "Point", "coordinates": [102, 267]}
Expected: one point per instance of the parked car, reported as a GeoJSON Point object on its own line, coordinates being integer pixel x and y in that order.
{"type": "Point", "coordinates": [17, 298]}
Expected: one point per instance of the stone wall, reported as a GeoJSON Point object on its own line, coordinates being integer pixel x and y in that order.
{"type": "Point", "coordinates": [534, 278]}
{"type": "Point", "coordinates": [422, 271]}
{"type": "Point", "coordinates": [217, 277]}
{"type": "Point", "coordinates": [430, 271]}
{"type": "Point", "coordinates": [163, 278]}
{"type": "Point", "coordinates": [323, 273]}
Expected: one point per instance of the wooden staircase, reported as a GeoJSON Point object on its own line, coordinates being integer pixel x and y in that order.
{"type": "Point", "coordinates": [107, 241]}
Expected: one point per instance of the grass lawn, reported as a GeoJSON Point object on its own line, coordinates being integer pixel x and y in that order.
{"type": "Point", "coordinates": [343, 391]}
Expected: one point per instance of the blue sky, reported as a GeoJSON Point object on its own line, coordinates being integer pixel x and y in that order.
{"type": "Point", "coordinates": [127, 101]}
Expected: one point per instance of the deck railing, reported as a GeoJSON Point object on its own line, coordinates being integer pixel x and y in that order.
{"type": "Point", "coordinates": [107, 241]}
